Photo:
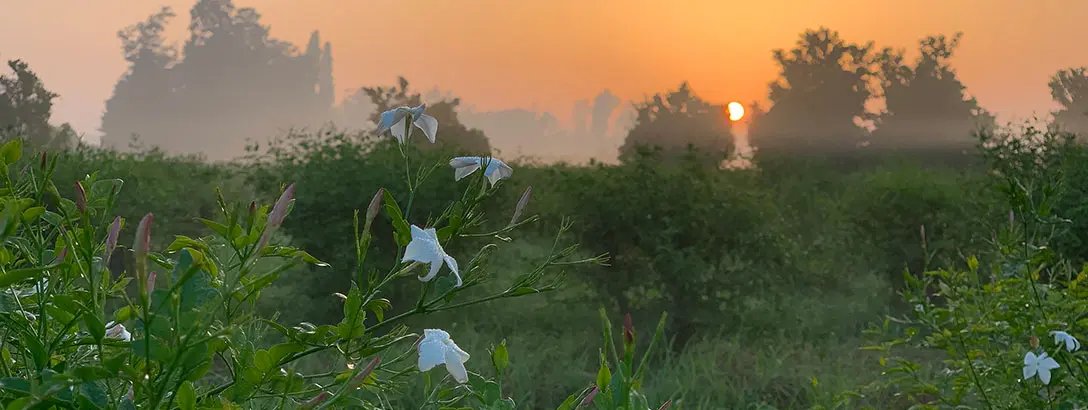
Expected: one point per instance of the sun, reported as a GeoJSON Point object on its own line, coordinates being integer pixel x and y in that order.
{"type": "Point", "coordinates": [736, 111]}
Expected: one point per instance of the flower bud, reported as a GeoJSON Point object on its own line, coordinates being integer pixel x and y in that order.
{"type": "Point", "coordinates": [589, 397]}
{"type": "Point", "coordinates": [278, 214]}
{"type": "Point", "coordinates": [1034, 342]}
{"type": "Point", "coordinates": [81, 198]}
{"type": "Point", "coordinates": [141, 248]}
{"type": "Point", "coordinates": [361, 377]}
{"type": "Point", "coordinates": [665, 405]}
{"type": "Point", "coordinates": [252, 207]}
{"type": "Point", "coordinates": [111, 237]}
{"type": "Point", "coordinates": [43, 161]}
{"type": "Point", "coordinates": [521, 204]}
{"type": "Point", "coordinates": [628, 330]}
{"type": "Point", "coordinates": [151, 281]}
{"type": "Point", "coordinates": [374, 207]}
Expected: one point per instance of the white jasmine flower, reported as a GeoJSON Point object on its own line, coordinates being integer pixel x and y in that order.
{"type": "Point", "coordinates": [393, 121]}
{"type": "Point", "coordinates": [424, 248]}
{"type": "Point", "coordinates": [496, 169]}
{"type": "Point", "coordinates": [437, 348]}
{"type": "Point", "coordinates": [1071, 343]}
{"type": "Point", "coordinates": [1041, 365]}
{"type": "Point", "coordinates": [117, 331]}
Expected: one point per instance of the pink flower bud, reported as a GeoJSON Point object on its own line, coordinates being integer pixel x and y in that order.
{"type": "Point", "coordinates": [43, 161]}
{"type": "Point", "coordinates": [141, 248]}
{"type": "Point", "coordinates": [521, 204]}
{"type": "Point", "coordinates": [589, 397]}
{"type": "Point", "coordinates": [361, 377]}
{"type": "Point", "coordinates": [111, 237]}
{"type": "Point", "coordinates": [375, 206]}
{"type": "Point", "coordinates": [665, 405]}
{"type": "Point", "coordinates": [151, 281]}
{"type": "Point", "coordinates": [278, 214]}
{"type": "Point", "coordinates": [1034, 342]}
{"type": "Point", "coordinates": [81, 197]}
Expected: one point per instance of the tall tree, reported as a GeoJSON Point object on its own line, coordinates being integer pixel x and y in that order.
{"type": "Point", "coordinates": [452, 133]}
{"type": "Point", "coordinates": [232, 82]}
{"type": "Point", "coordinates": [25, 108]}
{"type": "Point", "coordinates": [1069, 88]}
{"type": "Point", "coordinates": [677, 124]}
{"type": "Point", "coordinates": [819, 99]}
{"type": "Point", "coordinates": [926, 104]}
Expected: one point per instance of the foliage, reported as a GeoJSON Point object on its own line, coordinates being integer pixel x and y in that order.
{"type": "Point", "coordinates": [25, 108]}
{"type": "Point", "coordinates": [679, 124]}
{"type": "Point", "coordinates": [79, 335]}
{"type": "Point", "coordinates": [822, 92]}
{"type": "Point", "coordinates": [1069, 88]}
{"type": "Point", "coordinates": [231, 81]}
{"type": "Point", "coordinates": [926, 105]}
{"type": "Point", "coordinates": [988, 321]}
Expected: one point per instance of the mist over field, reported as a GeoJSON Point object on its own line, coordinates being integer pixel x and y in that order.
{"type": "Point", "coordinates": [257, 204]}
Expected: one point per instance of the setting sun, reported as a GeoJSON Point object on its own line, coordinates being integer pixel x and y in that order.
{"type": "Point", "coordinates": [736, 111]}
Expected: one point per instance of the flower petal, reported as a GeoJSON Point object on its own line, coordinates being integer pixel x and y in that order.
{"type": "Point", "coordinates": [452, 263]}
{"type": "Point", "coordinates": [1044, 375]}
{"type": "Point", "coordinates": [461, 172]}
{"type": "Point", "coordinates": [398, 131]}
{"type": "Point", "coordinates": [436, 265]}
{"type": "Point", "coordinates": [418, 250]}
{"type": "Point", "coordinates": [458, 162]}
{"type": "Point", "coordinates": [1030, 359]}
{"type": "Point", "coordinates": [431, 354]}
{"type": "Point", "coordinates": [389, 118]}
{"type": "Point", "coordinates": [455, 366]}
{"type": "Point", "coordinates": [1048, 364]}
{"type": "Point", "coordinates": [428, 124]}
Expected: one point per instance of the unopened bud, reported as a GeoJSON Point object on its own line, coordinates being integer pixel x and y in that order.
{"type": "Point", "coordinates": [922, 231]}
{"type": "Point", "coordinates": [361, 377]}
{"type": "Point", "coordinates": [666, 405]}
{"type": "Point", "coordinates": [628, 330]}
{"type": "Point", "coordinates": [589, 397]}
{"type": "Point", "coordinates": [43, 161]}
{"type": "Point", "coordinates": [521, 204]}
{"type": "Point", "coordinates": [151, 281]}
{"type": "Point", "coordinates": [1012, 218]}
{"type": "Point", "coordinates": [1034, 342]}
{"type": "Point", "coordinates": [111, 237]}
{"type": "Point", "coordinates": [252, 207]}
{"type": "Point", "coordinates": [141, 247]}
{"type": "Point", "coordinates": [374, 207]}
{"type": "Point", "coordinates": [278, 214]}
{"type": "Point", "coordinates": [81, 197]}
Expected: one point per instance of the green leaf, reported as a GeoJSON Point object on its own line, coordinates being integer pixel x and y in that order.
{"type": "Point", "coordinates": [32, 214]}
{"type": "Point", "coordinates": [95, 327]}
{"type": "Point", "coordinates": [402, 232]}
{"type": "Point", "coordinates": [604, 375]}
{"type": "Point", "coordinates": [11, 151]}
{"type": "Point", "coordinates": [186, 396]}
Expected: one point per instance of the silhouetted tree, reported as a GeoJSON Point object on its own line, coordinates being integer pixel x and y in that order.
{"type": "Point", "coordinates": [1069, 88]}
{"type": "Point", "coordinates": [678, 124]}
{"type": "Point", "coordinates": [25, 108]}
{"type": "Point", "coordinates": [231, 83]}
{"type": "Point", "coordinates": [451, 132]}
{"type": "Point", "coordinates": [927, 106]}
{"type": "Point", "coordinates": [603, 106]}
{"type": "Point", "coordinates": [819, 98]}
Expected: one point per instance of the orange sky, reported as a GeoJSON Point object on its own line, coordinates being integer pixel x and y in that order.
{"type": "Point", "coordinates": [548, 53]}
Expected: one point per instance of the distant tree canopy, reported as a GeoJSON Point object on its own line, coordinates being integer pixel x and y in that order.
{"type": "Point", "coordinates": [452, 134]}
{"type": "Point", "coordinates": [926, 104]}
{"type": "Point", "coordinates": [25, 108]}
{"type": "Point", "coordinates": [1069, 88]}
{"type": "Point", "coordinates": [819, 98]}
{"type": "Point", "coordinates": [677, 124]}
{"type": "Point", "coordinates": [232, 82]}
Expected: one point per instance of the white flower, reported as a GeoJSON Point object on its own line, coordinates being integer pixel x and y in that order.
{"type": "Point", "coordinates": [424, 248]}
{"type": "Point", "coordinates": [393, 121]}
{"type": "Point", "coordinates": [496, 169]}
{"type": "Point", "coordinates": [117, 331]}
{"type": "Point", "coordinates": [1071, 343]}
{"type": "Point", "coordinates": [1041, 364]}
{"type": "Point", "coordinates": [437, 348]}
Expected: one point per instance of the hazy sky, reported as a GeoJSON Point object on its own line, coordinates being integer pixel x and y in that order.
{"type": "Point", "coordinates": [545, 54]}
